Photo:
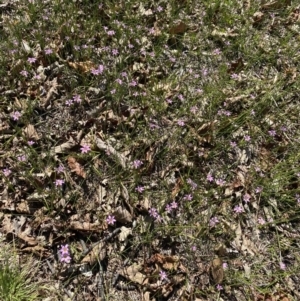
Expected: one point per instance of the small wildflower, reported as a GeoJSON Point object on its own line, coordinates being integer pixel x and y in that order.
{"type": "Point", "coordinates": [137, 164]}
{"type": "Point", "coordinates": [159, 9]}
{"type": "Point", "coordinates": [64, 254]}
{"type": "Point", "coordinates": [247, 197]}
{"type": "Point", "coordinates": [77, 98]}
{"type": "Point", "coordinates": [24, 73]}
{"type": "Point", "coordinates": [115, 52]}
{"type": "Point", "coordinates": [232, 144]}
{"type": "Point", "coordinates": [163, 275]}
{"type": "Point", "coordinates": [194, 248]}
{"type": "Point", "coordinates": [225, 265]}
{"type": "Point", "coordinates": [174, 205]}
{"type": "Point", "coordinates": [282, 265]}
{"type": "Point", "coordinates": [180, 122]}
{"type": "Point", "coordinates": [192, 183]}
{"type": "Point", "coordinates": [133, 83]}
{"type": "Point", "coordinates": [60, 169]}
{"type": "Point", "coordinates": [6, 172]}
{"type": "Point", "coordinates": [234, 76]}
{"type": "Point", "coordinates": [258, 189]}
{"type": "Point", "coordinates": [22, 158]}
{"type": "Point", "coordinates": [111, 32]}
{"type": "Point", "coordinates": [194, 109]}
{"type": "Point", "coordinates": [16, 115]}
{"type": "Point", "coordinates": [210, 178]}
{"type": "Point", "coordinates": [110, 220]}
{"type": "Point", "coordinates": [30, 142]}
{"type": "Point", "coordinates": [272, 133]}
{"type": "Point", "coordinates": [261, 221]}
{"type": "Point", "coordinates": [213, 221]}
{"type": "Point", "coordinates": [238, 209]}
{"type": "Point", "coordinates": [169, 208]}
{"type": "Point", "coordinates": [59, 182]}
{"type": "Point", "coordinates": [69, 102]}
{"type": "Point", "coordinates": [140, 189]}
{"type": "Point", "coordinates": [85, 149]}
{"type": "Point", "coordinates": [247, 138]}
{"type": "Point", "coordinates": [153, 212]}
{"type": "Point", "coordinates": [31, 60]}
{"type": "Point", "coordinates": [188, 197]}
{"type": "Point", "coordinates": [220, 182]}
{"type": "Point", "coordinates": [219, 287]}
{"type": "Point", "coordinates": [48, 51]}
{"type": "Point", "coordinates": [252, 113]}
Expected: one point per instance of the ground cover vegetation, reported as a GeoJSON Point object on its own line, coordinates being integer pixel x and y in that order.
{"type": "Point", "coordinates": [149, 150]}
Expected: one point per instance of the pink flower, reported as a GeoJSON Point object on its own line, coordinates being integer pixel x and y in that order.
{"type": "Point", "coordinates": [213, 221]}
{"type": "Point", "coordinates": [16, 115]}
{"type": "Point", "coordinates": [163, 275]}
{"type": "Point", "coordinates": [210, 178]}
{"type": "Point", "coordinates": [77, 98]}
{"type": "Point", "coordinates": [59, 182]}
{"type": "Point", "coordinates": [238, 209]}
{"type": "Point", "coordinates": [282, 265]}
{"type": "Point", "coordinates": [6, 172]}
{"type": "Point", "coordinates": [137, 164]}
{"type": "Point", "coordinates": [247, 138]}
{"type": "Point", "coordinates": [48, 51]}
{"type": "Point", "coordinates": [180, 122]}
{"type": "Point", "coordinates": [247, 197]}
{"type": "Point", "coordinates": [140, 189]}
{"type": "Point", "coordinates": [31, 60]}
{"type": "Point", "coordinates": [110, 220]}
{"type": "Point", "coordinates": [85, 149]}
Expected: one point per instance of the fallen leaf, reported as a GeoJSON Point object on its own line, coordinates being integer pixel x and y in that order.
{"type": "Point", "coordinates": [122, 215]}
{"type": "Point", "coordinates": [179, 28]}
{"type": "Point", "coordinates": [217, 271]}
{"type": "Point", "coordinates": [82, 66]}
{"type": "Point", "coordinates": [30, 132]}
{"type": "Point", "coordinates": [76, 167]}
{"type": "Point", "coordinates": [63, 148]}
{"type": "Point", "coordinates": [124, 233]}
{"type": "Point", "coordinates": [133, 274]}
{"type": "Point", "coordinates": [98, 253]}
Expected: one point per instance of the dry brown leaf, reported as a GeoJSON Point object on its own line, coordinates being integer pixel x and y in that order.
{"type": "Point", "coordinates": [179, 28]}
{"type": "Point", "coordinates": [277, 4]}
{"type": "Point", "coordinates": [98, 253]}
{"type": "Point", "coordinates": [122, 215]}
{"type": "Point", "coordinates": [86, 226]}
{"type": "Point", "coordinates": [82, 66]}
{"type": "Point", "coordinates": [76, 167]}
{"type": "Point", "coordinates": [63, 148]}
{"type": "Point", "coordinates": [217, 271]}
{"type": "Point", "coordinates": [30, 133]}
{"type": "Point", "coordinates": [125, 232]}
{"type": "Point", "coordinates": [133, 274]}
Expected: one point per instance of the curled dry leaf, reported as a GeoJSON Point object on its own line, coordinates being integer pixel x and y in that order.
{"type": "Point", "coordinates": [98, 253]}
{"type": "Point", "coordinates": [178, 28]}
{"type": "Point", "coordinates": [76, 167]}
{"type": "Point", "coordinates": [217, 271]}
{"type": "Point", "coordinates": [63, 148]}
{"type": "Point", "coordinates": [30, 132]}
{"type": "Point", "coordinates": [133, 274]}
{"type": "Point", "coordinates": [122, 215]}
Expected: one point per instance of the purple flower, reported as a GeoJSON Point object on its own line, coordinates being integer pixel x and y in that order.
{"type": "Point", "coordinates": [24, 73]}
{"type": "Point", "coordinates": [140, 189]}
{"type": "Point", "coordinates": [30, 142]}
{"type": "Point", "coordinates": [247, 197]}
{"type": "Point", "coordinates": [210, 178]}
{"type": "Point", "coordinates": [111, 32]}
{"type": "Point", "coordinates": [220, 182]}
{"type": "Point", "coordinates": [194, 109]}
{"type": "Point", "coordinates": [174, 205]}
{"type": "Point", "coordinates": [59, 182]}
{"type": "Point", "coordinates": [48, 51]}
{"type": "Point", "coordinates": [64, 254]}
{"type": "Point", "coordinates": [180, 122]}
{"type": "Point", "coordinates": [110, 220]}
{"type": "Point", "coordinates": [153, 212]}
{"type": "Point", "coordinates": [85, 149]}
{"type": "Point", "coordinates": [6, 172]}
{"type": "Point", "coordinates": [115, 52]}
{"type": "Point", "coordinates": [261, 221]}
{"type": "Point", "coordinates": [137, 164]}
{"type": "Point", "coordinates": [188, 197]}
{"type": "Point", "coordinates": [232, 144]}
{"type": "Point", "coordinates": [219, 287]}
{"type": "Point", "coordinates": [169, 208]}
{"type": "Point", "coordinates": [225, 265]}
{"type": "Point", "coordinates": [272, 133]}
{"type": "Point", "coordinates": [69, 102]}
{"type": "Point", "coordinates": [247, 138]}
{"type": "Point", "coordinates": [194, 248]}
{"type": "Point", "coordinates": [31, 60]}
{"type": "Point", "coordinates": [77, 98]}
{"type": "Point", "coordinates": [22, 158]}
{"type": "Point", "coordinates": [163, 275]}
{"type": "Point", "coordinates": [282, 265]}
{"type": "Point", "coordinates": [238, 209]}
{"type": "Point", "coordinates": [16, 115]}
{"type": "Point", "coordinates": [213, 221]}
{"type": "Point", "coordinates": [258, 189]}
{"type": "Point", "coordinates": [60, 169]}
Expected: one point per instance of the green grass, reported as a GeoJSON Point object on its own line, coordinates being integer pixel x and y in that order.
{"type": "Point", "coordinates": [201, 96]}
